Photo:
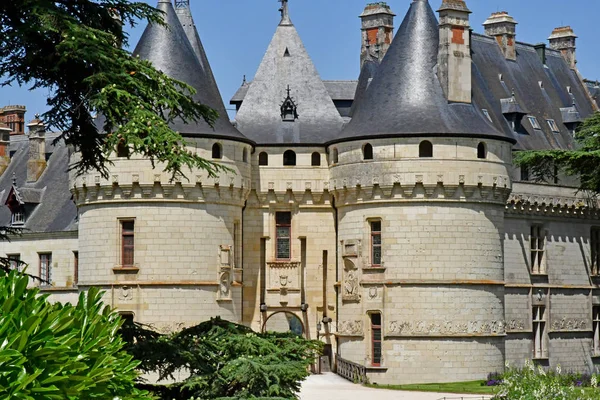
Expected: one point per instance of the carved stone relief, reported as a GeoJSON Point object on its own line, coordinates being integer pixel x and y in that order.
{"type": "Point", "coordinates": [125, 294]}
{"type": "Point", "coordinates": [569, 325]}
{"type": "Point", "coordinates": [225, 285]}
{"type": "Point", "coordinates": [284, 275]}
{"type": "Point", "coordinates": [350, 284]}
{"type": "Point", "coordinates": [419, 328]}
{"type": "Point", "coordinates": [515, 325]}
{"type": "Point", "coordinates": [350, 328]}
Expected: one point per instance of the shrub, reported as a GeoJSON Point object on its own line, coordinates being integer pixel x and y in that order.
{"type": "Point", "coordinates": [53, 351]}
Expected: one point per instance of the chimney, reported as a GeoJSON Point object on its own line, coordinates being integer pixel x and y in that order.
{"type": "Point", "coordinates": [14, 118]}
{"type": "Point", "coordinates": [4, 147]}
{"type": "Point", "coordinates": [454, 55]}
{"type": "Point", "coordinates": [563, 39]}
{"type": "Point", "coordinates": [377, 31]}
{"type": "Point", "coordinates": [37, 149]}
{"type": "Point", "coordinates": [504, 28]}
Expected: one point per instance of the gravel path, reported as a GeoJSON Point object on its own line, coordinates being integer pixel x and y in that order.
{"type": "Point", "coordinates": [332, 387]}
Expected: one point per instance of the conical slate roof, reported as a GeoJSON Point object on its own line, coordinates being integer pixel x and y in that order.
{"type": "Point", "coordinates": [405, 97]}
{"type": "Point", "coordinates": [367, 72]}
{"type": "Point", "coordinates": [286, 63]}
{"type": "Point", "coordinates": [170, 51]}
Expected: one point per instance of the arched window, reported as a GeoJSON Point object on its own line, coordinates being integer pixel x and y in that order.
{"type": "Point", "coordinates": [315, 159]}
{"type": "Point", "coordinates": [481, 150]}
{"type": "Point", "coordinates": [334, 156]}
{"type": "Point", "coordinates": [217, 151]}
{"type": "Point", "coordinates": [367, 152]}
{"type": "Point", "coordinates": [263, 158]}
{"type": "Point", "coordinates": [245, 155]}
{"type": "Point", "coordinates": [289, 158]}
{"type": "Point", "coordinates": [425, 149]}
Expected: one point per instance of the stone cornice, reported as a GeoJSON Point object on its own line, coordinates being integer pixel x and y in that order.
{"type": "Point", "coordinates": [552, 205]}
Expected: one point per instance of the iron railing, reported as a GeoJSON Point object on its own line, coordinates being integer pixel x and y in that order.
{"type": "Point", "coordinates": [352, 371]}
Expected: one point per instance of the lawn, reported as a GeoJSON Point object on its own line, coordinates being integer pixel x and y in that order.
{"type": "Point", "coordinates": [474, 387]}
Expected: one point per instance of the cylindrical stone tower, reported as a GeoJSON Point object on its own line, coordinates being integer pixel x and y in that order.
{"type": "Point", "coordinates": [420, 186]}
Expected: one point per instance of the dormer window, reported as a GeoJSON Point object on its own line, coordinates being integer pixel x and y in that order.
{"type": "Point", "coordinates": [17, 217]}
{"type": "Point", "coordinates": [553, 126]}
{"type": "Point", "coordinates": [534, 123]}
{"type": "Point", "coordinates": [289, 110]}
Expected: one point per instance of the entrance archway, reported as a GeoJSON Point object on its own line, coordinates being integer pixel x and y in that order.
{"type": "Point", "coordinates": [284, 321]}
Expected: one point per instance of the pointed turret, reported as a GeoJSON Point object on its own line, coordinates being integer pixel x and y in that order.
{"type": "Point", "coordinates": [405, 97]}
{"type": "Point", "coordinates": [286, 64]}
{"type": "Point", "coordinates": [170, 51]}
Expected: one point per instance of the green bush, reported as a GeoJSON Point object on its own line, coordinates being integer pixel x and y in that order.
{"type": "Point", "coordinates": [225, 361]}
{"type": "Point", "coordinates": [531, 383]}
{"type": "Point", "coordinates": [53, 351]}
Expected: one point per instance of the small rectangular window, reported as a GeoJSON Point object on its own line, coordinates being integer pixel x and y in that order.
{"type": "Point", "coordinates": [553, 126]}
{"type": "Point", "coordinates": [376, 339]}
{"type": "Point", "coordinates": [375, 243]}
{"type": "Point", "coordinates": [283, 222]}
{"type": "Point", "coordinates": [534, 123]}
{"type": "Point", "coordinates": [46, 268]}
{"type": "Point", "coordinates": [538, 250]}
{"type": "Point", "coordinates": [596, 329]}
{"type": "Point", "coordinates": [127, 243]}
{"type": "Point", "coordinates": [539, 332]}
{"type": "Point", "coordinates": [75, 267]}
{"type": "Point", "coordinates": [487, 114]}
{"type": "Point", "coordinates": [595, 250]}
{"type": "Point", "coordinates": [524, 173]}
{"type": "Point", "coordinates": [237, 246]}
{"type": "Point", "coordinates": [14, 261]}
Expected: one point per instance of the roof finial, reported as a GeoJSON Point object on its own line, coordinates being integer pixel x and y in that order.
{"type": "Point", "coordinates": [14, 179]}
{"type": "Point", "coordinates": [285, 16]}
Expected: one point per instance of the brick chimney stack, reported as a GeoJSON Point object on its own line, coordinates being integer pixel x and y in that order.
{"type": "Point", "coordinates": [454, 54]}
{"type": "Point", "coordinates": [4, 147]}
{"type": "Point", "coordinates": [377, 31]}
{"type": "Point", "coordinates": [37, 149]}
{"type": "Point", "coordinates": [563, 39]}
{"type": "Point", "coordinates": [14, 118]}
{"type": "Point", "coordinates": [504, 28]}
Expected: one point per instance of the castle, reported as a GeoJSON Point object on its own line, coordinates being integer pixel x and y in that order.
{"type": "Point", "coordinates": [382, 216]}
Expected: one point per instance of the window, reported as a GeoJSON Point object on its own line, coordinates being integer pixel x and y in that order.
{"type": "Point", "coordinates": [315, 159]}
{"type": "Point", "coordinates": [17, 218]}
{"type": "Point", "coordinates": [524, 173]}
{"type": "Point", "coordinates": [376, 339]}
{"type": "Point", "coordinates": [425, 149]}
{"type": "Point", "coordinates": [126, 330]}
{"type": "Point", "coordinates": [245, 155]}
{"type": "Point", "coordinates": [263, 158]}
{"type": "Point", "coordinates": [122, 150]}
{"type": "Point", "coordinates": [217, 151]}
{"type": "Point", "coordinates": [14, 261]}
{"type": "Point", "coordinates": [595, 250]}
{"type": "Point", "coordinates": [596, 329]}
{"type": "Point", "coordinates": [481, 150]}
{"type": "Point", "coordinates": [539, 332]}
{"type": "Point", "coordinates": [283, 226]}
{"type": "Point", "coordinates": [375, 243]}
{"type": "Point", "coordinates": [367, 152]}
{"type": "Point", "coordinates": [538, 247]}
{"type": "Point", "coordinates": [334, 156]}
{"type": "Point", "coordinates": [289, 158]}
{"type": "Point", "coordinates": [127, 243]}
{"type": "Point", "coordinates": [75, 267]}
{"type": "Point", "coordinates": [534, 123]}
{"type": "Point", "coordinates": [487, 114]}
{"type": "Point", "coordinates": [237, 246]}
{"type": "Point", "coordinates": [46, 268]}
{"type": "Point", "coordinates": [553, 126]}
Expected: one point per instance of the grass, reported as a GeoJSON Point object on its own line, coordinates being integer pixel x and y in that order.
{"type": "Point", "coordinates": [473, 387]}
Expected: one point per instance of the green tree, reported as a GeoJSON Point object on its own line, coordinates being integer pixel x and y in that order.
{"type": "Point", "coordinates": [53, 351]}
{"type": "Point", "coordinates": [73, 48]}
{"type": "Point", "coordinates": [225, 361]}
{"type": "Point", "coordinates": [582, 162]}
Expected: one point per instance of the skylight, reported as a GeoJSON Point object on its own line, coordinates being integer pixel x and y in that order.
{"type": "Point", "coordinates": [553, 126]}
{"type": "Point", "coordinates": [534, 123]}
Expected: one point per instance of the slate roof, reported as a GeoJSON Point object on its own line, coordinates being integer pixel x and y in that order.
{"type": "Point", "coordinates": [170, 51]}
{"type": "Point", "coordinates": [594, 89]}
{"type": "Point", "coordinates": [405, 97]}
{"type": "Point", "coordinates": [48, 203]}
{"type": "Point", "coordinates": [541, 90]}
{"type": "Point", "coordinates": [286, 63]}
{"type": "Point", "coordinates": [367, 72]}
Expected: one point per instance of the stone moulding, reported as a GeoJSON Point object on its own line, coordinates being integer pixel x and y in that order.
{"type": "Point", "coordinates": [561, 206]}
{"type": "Point", "coordinates": [447, 328]}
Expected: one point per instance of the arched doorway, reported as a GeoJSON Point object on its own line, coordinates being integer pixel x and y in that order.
{"type": "Point", "coordinates": [284, 321]}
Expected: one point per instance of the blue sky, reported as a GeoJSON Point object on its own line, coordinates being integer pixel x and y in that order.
{"type": "Point", "coordinates": [236, 33]}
